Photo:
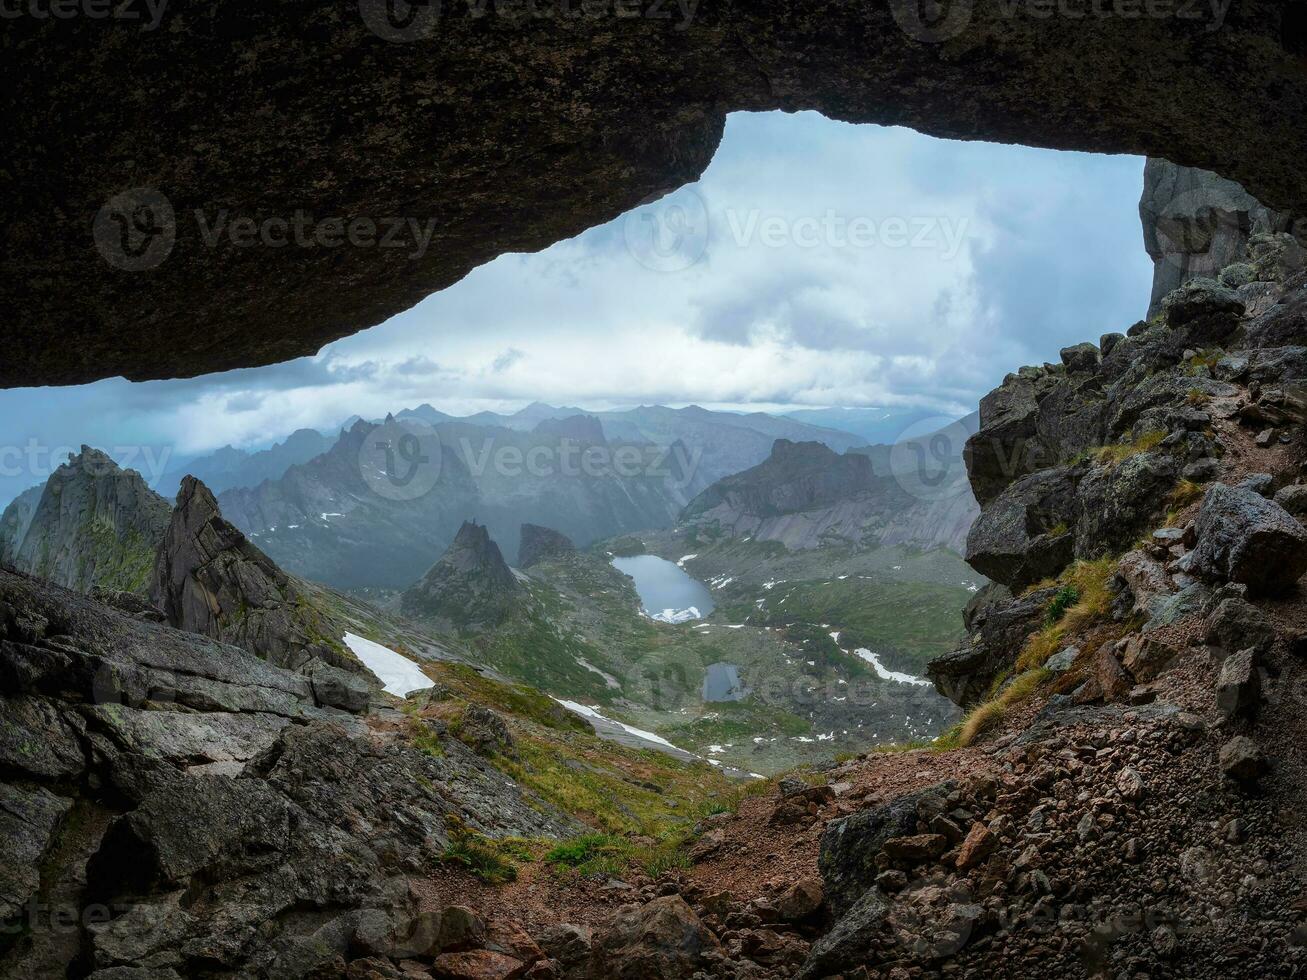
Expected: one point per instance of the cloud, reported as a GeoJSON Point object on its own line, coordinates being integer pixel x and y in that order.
{"type": "Point", "coordinates": [506, 360]}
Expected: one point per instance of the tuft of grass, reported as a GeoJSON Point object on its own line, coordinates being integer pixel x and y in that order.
{"type": "Point", "coordinates": [1118, 453]}
{"type": "Point", "coordinates": [490, 861]}
{"type": "Point", "coordinates": [1206, 358]}
{"type": "Point", "coordinates": [992, 712]}
{"type": "Point", "coordinates": [1082, 600]}
{"type": "Point", "coordinates": [1066, 597]}
{"type": "Point", "coordinates": [592, 854]}
{"type": "Point", "coordinates": [1183, 494]}
{"type": "Point", "coordinates": [424, 738]}
{"type": "Point", "coordinates": [1196, 397]}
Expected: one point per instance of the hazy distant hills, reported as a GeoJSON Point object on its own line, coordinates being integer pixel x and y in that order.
{"type": "Point", "coordinates": [326, 521]}
{"type": "Point", "coordinates": [723, 442]}
{"type": "Point", "coordinates": [230, 467]}
{"type": "Point", "coordinates": [872, 425]}
{"type": "Point", "coordinates": [804, 495]}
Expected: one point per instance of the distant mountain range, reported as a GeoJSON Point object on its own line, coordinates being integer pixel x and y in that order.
{"type": "Point", "coordinates": [323, 520]}
{"type": "Point", "coordinates": [230, 467]}
{"type": "Point", "coordinates": [726, 442]}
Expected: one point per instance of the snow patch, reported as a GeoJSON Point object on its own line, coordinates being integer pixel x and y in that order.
{"type": "Point", "coordinates": [398, 674]}
{"type": "Point", "coordinates": [588, 712]}
{"type": "Point", "coordinates": [884, 673]}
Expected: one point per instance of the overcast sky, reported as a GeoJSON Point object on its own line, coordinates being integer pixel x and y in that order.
{"type": "Point", "coordinates": [815, 264]}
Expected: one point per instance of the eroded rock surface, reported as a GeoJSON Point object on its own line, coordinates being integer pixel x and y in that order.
{"type": "Point", "coordinates": [224, 819]}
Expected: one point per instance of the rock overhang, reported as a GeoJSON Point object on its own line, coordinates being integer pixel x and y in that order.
{"type": "Point", "coordinates": [153, 193]}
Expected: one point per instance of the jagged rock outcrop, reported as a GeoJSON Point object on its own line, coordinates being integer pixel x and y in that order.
{"type": "Point", "coordinates": [510, 171]}
{"type": "Point", "coordinates": [209, 579]}
{"type": "Point", "coordinates": [997, 625]}
{"type": "Point", "coordinates": [805, 495]}
{"type": "Point", "coordinates": [202, 811]}
{"type": "Point", "coordinates": [14, 522]}
{"type": "Point", "coordinates": [470, 586]}
{"type": "Point", "coordinates": [538, 543]}
{"type": "Point", "coordinates": [1196, 223]}
{"type": "Point", "coordinates": [94, 524]}
{"type": "Point", "coordinates": [1082, 460]}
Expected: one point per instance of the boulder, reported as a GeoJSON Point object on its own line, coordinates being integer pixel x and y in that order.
{"type": "Point", "coordinates": [1236, 623]}
{"type": "Point", "coordinates": [1116, 504]}
{"type": "Point", "coordinates": [1242, 760]}
{"type": "Point", "coordinates": [477, 964]}
{"type": "Point", "coordinates": [1081, 357]}
{"type": "Point", "coordinates": [567, 944]}
{"type": "Point", "coordinates": [1006, 447]}
{"type": "Point", "coordinates": [979, 844]}
{"type": "Point", "coordinates": [1202, 470]}
{"type": "Point", "coordinates": [1024, 535]}
{"type": "Point", "coordinates": [1207, 311]}
{"type": "Point", "coordinates": [486, 732]}
{"type": "Point", "coordinates": [1293, 499]}
{"type": "Point", "coordinates": [1243, 537]}
{"type": "Point", "coordinates": [850, 846]}
{"type": "Point", "coordinates": [997, 629]}
{"type": "Point", "coordinates": [916, 848]}
{"type": "Point", "coordinates": [801, 900]}
{"type": "Point", "coordinates": [663, 940]}
{"type": "Point", "coordinates": [853, 941]}
{"type": "Point", "coordinates": [1239, 685]}
{"type": "Point", "coordinates": [1139, 581]}
{"type": "Point", "coordinates": [1147, 657]}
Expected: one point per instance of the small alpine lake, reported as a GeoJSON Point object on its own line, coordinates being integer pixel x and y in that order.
{"type": "Point", "coordinates": [666, 591]}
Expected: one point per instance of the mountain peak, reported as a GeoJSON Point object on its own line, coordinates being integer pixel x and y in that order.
{"type": "Point", "coordinates": [585, 429]}
{"type": "Point", "coordinates": [471, 584]}
{"type": "Point", "coordinates": [93, 524]}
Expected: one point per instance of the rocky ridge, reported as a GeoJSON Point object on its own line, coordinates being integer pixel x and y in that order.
{"type": "Point", "coordinates": [195, 808]}
{"type": "Point", "coordinates": [805, 495]}
{"type": "Point", "coordinates": [538, 543]}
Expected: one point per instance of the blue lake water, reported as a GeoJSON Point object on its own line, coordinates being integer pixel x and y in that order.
{"type": "Point", "coordinates": [721, 682]}
{"type": "Point", "coordinates": [666, 591]}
